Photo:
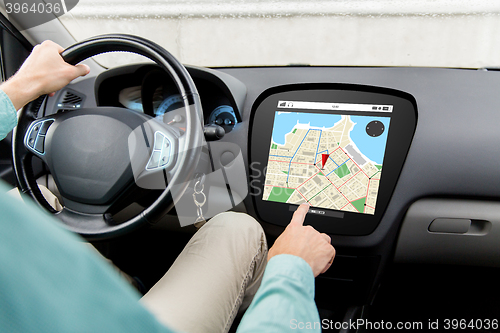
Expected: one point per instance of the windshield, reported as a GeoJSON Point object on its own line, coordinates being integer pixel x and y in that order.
{"type": "Point", "coordinates": [218, 33]}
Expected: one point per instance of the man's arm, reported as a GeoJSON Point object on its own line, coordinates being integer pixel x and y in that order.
{"type": "Point", "coordinates": [285, 300]}
{"type": "Point", "coordinates": [43, 72]}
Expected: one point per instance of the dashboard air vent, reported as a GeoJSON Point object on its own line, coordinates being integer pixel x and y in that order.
{"type": "Point", "coordinates": [70, 100]}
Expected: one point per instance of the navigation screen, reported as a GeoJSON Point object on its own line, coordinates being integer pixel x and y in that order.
{"type": "Point", "coordinates": [332, 161]}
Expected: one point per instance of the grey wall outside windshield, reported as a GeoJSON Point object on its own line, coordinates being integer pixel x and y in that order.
{"type": "Point", "coordinates": [446, 33]}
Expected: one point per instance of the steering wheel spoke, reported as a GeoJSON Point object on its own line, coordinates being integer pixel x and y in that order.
{"type": "Point", "coordinates": [34, 139]}
{"type": "Point", "coordinates": [165, 146]}
{"type": "Point", "coordinates": [88, 225]}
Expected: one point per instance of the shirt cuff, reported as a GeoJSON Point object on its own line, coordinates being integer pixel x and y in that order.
{"type": "Point", "coordinates": [292, 267]}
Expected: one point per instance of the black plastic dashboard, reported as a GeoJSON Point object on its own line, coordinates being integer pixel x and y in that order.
{"type": "Point", "coordinates": [456, 128]}
{"type": "Point", "coordinates": [454, 155]}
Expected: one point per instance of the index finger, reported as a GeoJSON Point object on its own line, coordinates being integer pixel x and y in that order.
{"type": "Point", "coordinates": [300, 215]}
{"type": "Point", "coordinates": [52, 44]}
{"type": "Point", "coordinates": [58, 47]}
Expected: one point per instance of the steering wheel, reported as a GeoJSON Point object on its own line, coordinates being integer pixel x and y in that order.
{"type": "Point", "coordinates": [98, 155]}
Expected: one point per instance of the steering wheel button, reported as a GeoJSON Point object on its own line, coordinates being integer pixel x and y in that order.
{"type": "Point", "coordinates": [158, 140]}
{"type": "Point", "coordinates": [165, 157]}
{"type": "Point", "coordinates": [154, 160]}
{"type": "Point", "coordinates": [45, 127]}
{"type": "Point", "coordinates": [163, 161]}
{"type": "Point", "coordinates": [32, 139]}
{"type": "Point", "coordinates": [40, 142]}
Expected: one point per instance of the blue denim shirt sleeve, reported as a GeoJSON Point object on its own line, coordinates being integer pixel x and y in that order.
{"type": "Point", "coordinates": [8, 115]}
{"type": "Point", "coordinates": [285, 299]}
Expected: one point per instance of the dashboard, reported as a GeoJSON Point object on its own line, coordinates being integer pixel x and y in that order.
{"type": "Point", "coordinates": [147, 89]}
{"type": "Point", "coordinates": [429, 135]}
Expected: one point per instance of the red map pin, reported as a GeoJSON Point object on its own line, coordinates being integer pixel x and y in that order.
{"type": "Point", "coordinates": [324, 158]}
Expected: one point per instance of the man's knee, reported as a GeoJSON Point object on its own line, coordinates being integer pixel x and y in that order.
{"type": "Point", "coordinates": [236, 226]}
{"type": "Point", "coordinates": [236, 222]}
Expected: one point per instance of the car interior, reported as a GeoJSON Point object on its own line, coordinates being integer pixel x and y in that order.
{"type": "Point", "coordinates": [397, 162]}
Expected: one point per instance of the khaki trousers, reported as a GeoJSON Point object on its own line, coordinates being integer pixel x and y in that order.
{"type": "Point", "coordinates": [217, 273]}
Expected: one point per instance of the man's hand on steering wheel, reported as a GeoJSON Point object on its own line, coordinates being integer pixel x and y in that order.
{"type": "Point", "coordinates": [43, 72]}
